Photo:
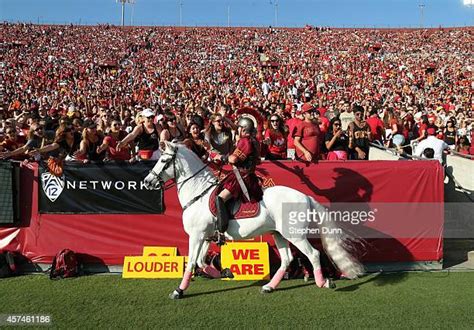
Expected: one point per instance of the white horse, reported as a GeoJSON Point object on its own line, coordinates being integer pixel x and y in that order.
{"type": "Point", "coordinates": [195, 182]}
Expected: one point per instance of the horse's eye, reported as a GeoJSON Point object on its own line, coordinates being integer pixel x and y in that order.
{"type": "Point", "coordinates": [163, 160]}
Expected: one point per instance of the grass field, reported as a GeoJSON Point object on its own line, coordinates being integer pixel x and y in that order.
{"type": "Point", "coordinates": [427, 300]}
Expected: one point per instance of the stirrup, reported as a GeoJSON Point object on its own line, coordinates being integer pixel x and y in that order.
{"type": "Point", "coordinates": [212, 238]}
{"type": "Point", "coordinates": [220, 239]}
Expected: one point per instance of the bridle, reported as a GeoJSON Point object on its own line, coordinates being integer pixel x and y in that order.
{"type": "Point", "coordinates": [167, 164]}
{"type": "Point", "coordinates": [179, 185]}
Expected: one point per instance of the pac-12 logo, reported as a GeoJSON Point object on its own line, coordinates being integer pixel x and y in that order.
{"type": "Point", "coordinates": [52, 185]}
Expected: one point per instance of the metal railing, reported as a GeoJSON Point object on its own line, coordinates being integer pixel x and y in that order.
{"type": "Point", "coordinates": [396, 152]}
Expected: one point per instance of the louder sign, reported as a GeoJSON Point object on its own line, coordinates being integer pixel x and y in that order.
{"type": "Point", "coordinates": [153, 267]}
{"type": "Point", "coordinates": [247, 261]}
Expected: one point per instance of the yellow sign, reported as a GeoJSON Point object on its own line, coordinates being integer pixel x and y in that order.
{"type": "Point", "coordinates": [247, 261]}
{"type": "Point", "coordinates": [158, 251]}
{"type": "Point", "coordinates": [185, 261]}
{"type": "Point", "coordinates": [153, 267]}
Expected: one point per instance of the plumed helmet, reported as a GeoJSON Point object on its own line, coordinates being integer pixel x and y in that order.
{"type": "Point", "coordinates": [247, 124]}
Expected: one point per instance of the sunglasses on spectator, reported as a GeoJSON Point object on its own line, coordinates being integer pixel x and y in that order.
{"type": "Point", "coordinates": [10, 132]}
{"type": "Point", "coordinates": [39, 129]}
{"type": "Point", "coordinates": [274, 120]}
{"type": "Point", "coordinates": [218, 121]}
{"type": "Point", "coordinates": [337, 124]}
{"type": "Point", "coordinates": [116, 125]}
{"type": "Point", "coordinates": [358, 114]}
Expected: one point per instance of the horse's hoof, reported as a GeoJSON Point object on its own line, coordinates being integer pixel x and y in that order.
{"type": "Point", "coordinates": [267, 289]}
{"type": "Point", "coordinates": [227, 273]}
{"type": "Point", "coordinates": [176, 295]}
{"type": "Point", "coordinates": [344, 277]}
{"type": "Point", "coordinates": [329, 284]}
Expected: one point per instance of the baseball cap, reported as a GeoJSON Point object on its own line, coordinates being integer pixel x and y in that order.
{"type": "Point", "coordinates": [71, 110]}
{"type": "Point", "coordinates": [148, 113]}
{"type": "Point", "coordinates": [306, 107]}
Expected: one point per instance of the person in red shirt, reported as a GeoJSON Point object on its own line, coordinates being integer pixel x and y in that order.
{"type": "Point", "coordinates": [323, 129]}
{"type": "Point", "coordinates": [377, 129]}
{"type": "Point", "coordinates": [396, 126]}
{"type": "Point", "coordinates": [109, 143]}
{"type": "Point", "coordinates": [323, 121]}
{"type": "Point", "coordinates": [322, 111]}
{"type": "Point", "coordinates": [275, 138]}
{"type": "Point", "coordinates": [463, 147]}
{"type": "Point", "coordinates": [422, 128]}
{"type": "Point", "coordinates": [307, 136]}
{"type": "Point", "coordinates": [409, 128]}
{"type": "Point", "coordinates": [11, 142]}
{"type": "Point", "coordinates": [291, 124]}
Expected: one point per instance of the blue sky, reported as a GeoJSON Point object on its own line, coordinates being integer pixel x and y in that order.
{"type": "Point", "coordinates": [338, 13]}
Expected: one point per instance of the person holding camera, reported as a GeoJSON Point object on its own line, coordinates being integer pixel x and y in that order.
{"type": "Point", "coordinates": [336, 141]}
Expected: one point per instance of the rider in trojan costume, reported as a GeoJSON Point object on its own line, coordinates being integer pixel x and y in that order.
{"type": "Point", "coordinates": [242, 183]}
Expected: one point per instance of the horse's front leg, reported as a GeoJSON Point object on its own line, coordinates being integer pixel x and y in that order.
{"type": "Point", "coordinates": [195, 246]}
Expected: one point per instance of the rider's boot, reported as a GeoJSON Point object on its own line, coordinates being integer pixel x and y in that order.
{"type": "Point", "coordinates": [222, 220]}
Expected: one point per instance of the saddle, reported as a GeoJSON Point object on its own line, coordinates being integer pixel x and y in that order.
{"type": "Point", "coordinates": [237, 209]}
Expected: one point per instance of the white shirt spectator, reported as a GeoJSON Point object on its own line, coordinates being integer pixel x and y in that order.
{"type": "Point", "coordinates": [434, 143]}
{"type": "Point", "coordinates": [294, 91]}
{"type": "Point", "coordinates": [266, 88]}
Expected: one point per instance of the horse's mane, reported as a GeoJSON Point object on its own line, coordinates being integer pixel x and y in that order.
{"type": "Point", "coordinates": [181, 147]}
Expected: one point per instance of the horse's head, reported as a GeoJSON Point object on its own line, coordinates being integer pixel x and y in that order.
{"type": "Point", "coordinates": [165, 167]}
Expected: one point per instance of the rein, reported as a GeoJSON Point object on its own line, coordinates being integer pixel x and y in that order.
{"type": "Point", "coordinates": [192, 201]}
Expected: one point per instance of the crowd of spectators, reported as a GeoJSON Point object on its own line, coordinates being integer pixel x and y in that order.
{"type": "Point", "coordinates": [106, 93]}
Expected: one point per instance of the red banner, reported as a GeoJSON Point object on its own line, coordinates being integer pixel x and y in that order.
{"type": "Point", "coordinates": [406, 235]}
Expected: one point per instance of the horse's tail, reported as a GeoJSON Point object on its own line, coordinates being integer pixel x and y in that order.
{"type": "Point", "coordinates": [338, 245]}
